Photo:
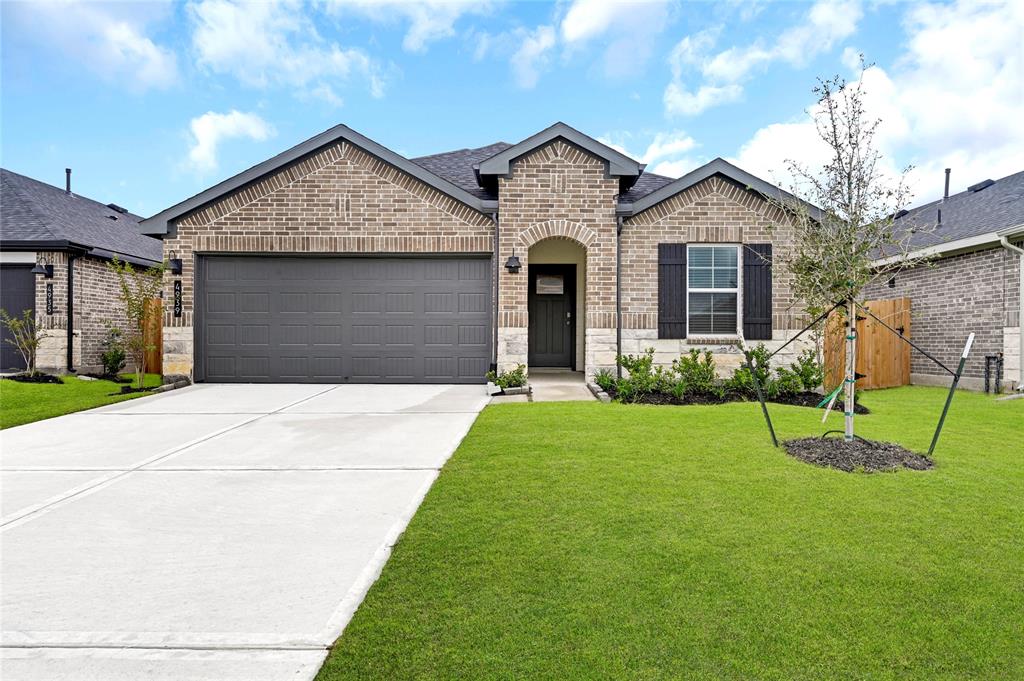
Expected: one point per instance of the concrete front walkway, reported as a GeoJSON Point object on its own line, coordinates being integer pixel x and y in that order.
{"type": "Point", "coordinates": [559, 385]}
{"type": "Point", "coordinates": [215, 532]}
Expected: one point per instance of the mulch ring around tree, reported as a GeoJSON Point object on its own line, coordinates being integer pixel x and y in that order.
{"type": "Point", "coordinates": [858, 455]}
{"type": "Point", "coordinates": [34, 378]}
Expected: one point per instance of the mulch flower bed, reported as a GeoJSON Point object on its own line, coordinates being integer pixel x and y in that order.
{"type": "Point", "coordinates": [807, 399]}
{"type": "Point", "coordinates": [37, 378]}
{"type": "Point", "coordinates": [858, 455]}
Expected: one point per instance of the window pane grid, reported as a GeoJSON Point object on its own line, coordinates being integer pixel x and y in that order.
{"type": "Point", "coordinates": [713, 283]}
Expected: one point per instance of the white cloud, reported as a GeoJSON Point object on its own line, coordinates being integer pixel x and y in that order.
{"type": "Point", "coordinates": [667, 153]}
{"type": "Point", "coordinates": [629, 28]}
{"type": "Point", "coordinates": [825, 24]}
{"type": "Point", "coordinates": [210, 129]}
{"type": "Point", "coordinates": [109, 38]}
{"type": "Point", "coordinates": [680, 101]}
{"type": "Point", "coordinates": [274, 43]}
{"type": "Point", "coordinates": [532, 56]}
{"type": "Point", "coordinates": [675, 169]}
{"type": "Point", "coordinates": [429, 20]}
{"type": "Point", "coordinates": [952, 99]}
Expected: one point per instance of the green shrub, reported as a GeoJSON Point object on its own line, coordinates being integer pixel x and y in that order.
{"type": "Point", "coordinates": [516, 378]}
{"type": "Point", "coordinates": [787, 384]}
{"type": "Point", "coordinates": [640, 378]}
{"type": "Point", "coordinates": [809, 369]}
{"type": "Point", "coordinates": [604, 379]}
{"type": "Point", "coordinates": [742, 382]}
{"type": "Point", "coordinates": [114, 356]}
{"type": "Point", "coordinates": [697, 373]}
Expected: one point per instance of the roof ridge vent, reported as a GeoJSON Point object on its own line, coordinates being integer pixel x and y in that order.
{"type": "Point", "coordinates": [120, 209]}
{"type": "Point", "coordinates": [981, 185]}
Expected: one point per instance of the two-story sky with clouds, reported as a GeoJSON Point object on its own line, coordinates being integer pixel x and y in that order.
{"type": "Point", "coordinates": [152, 102]}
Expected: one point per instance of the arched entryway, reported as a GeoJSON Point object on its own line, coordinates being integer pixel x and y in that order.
{"type": "Point", "coordinates": [556, 303]}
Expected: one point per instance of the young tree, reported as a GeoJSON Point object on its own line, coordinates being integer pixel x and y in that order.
{"type": "Point", "coordinates": [137, 287]}
{"type": "Point", "coordinates": [26, 335]}
{"type": "Point", "coordinates": [842, 216]}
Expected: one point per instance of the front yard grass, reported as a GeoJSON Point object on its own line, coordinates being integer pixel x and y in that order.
{"type": "Point", "coordinates": [584, 540]}
{"type": "Point", "coordinates": [22, 403]}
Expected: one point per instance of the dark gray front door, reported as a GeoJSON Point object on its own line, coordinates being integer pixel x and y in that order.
{"type": "Point", "coordinates": [17, 293]}
{"type": "Point", "coordinates": [264, 319]}
{"type": "Point", "coordinates": [552, 307]}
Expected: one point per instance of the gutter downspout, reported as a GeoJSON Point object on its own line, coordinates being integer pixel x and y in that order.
{"type": "Point", "coordinates": [497, 289]}
{"type": "Point", "coordinates": [618, 295]}
{"type": "Point", "coordinates": [71, 312]}
{"type": "Point", "coordinates": [1020, 306]}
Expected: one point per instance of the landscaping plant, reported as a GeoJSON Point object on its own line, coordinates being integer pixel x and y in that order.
{"type": "Point", "coordinates": [515, 378]}
{"type": "Point", "coordinates": [136, 287]}
{"type": "Point", "coordinates": [836, 247]}
{"type": "Point", "coordinates": [26, 335]}
{"type": "Point", "coordinates": [113, 356]}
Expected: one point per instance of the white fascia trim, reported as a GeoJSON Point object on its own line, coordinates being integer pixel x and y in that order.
{"type": "Point", "coordinates": [954, 247]}
{"type": "Point", "coordinates": [18, 258]}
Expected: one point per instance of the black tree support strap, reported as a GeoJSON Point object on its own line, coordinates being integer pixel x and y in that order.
{"type": "Point", "coordinates": [806, 329]}
{"type": "Point", "coordinates": [760, 398]}
{"type": "Point", "coordinates": [952, 388]}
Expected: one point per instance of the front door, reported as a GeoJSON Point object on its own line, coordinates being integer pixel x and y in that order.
{"type": "Point", "coordinates": [552, 307]}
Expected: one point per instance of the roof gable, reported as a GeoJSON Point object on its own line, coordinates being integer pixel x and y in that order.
{"type": "Point", "coordinates": [160, 224]}
{"type": "Point", "coordinates": [619, 165]}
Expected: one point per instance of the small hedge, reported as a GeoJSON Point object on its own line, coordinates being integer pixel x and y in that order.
{"type": "Point", "coordinates": [692, 379]}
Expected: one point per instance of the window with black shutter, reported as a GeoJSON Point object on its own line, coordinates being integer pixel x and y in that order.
{"type": "Point", "coordinates": [757, 291]}
{"type": "Point", "coordinates": [671, 290]}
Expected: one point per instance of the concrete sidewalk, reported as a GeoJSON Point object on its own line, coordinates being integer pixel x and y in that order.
{"type": "Point", "coordinates": [214, 532]}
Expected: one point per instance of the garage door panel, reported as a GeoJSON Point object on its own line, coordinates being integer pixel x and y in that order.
{"type": "Point", "coordinates": [345, 319]}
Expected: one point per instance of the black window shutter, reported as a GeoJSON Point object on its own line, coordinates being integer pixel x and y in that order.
{"type": "Point", "coordinates": [757, 291]}
{"type": "Point", "coordinates": [671, 290]}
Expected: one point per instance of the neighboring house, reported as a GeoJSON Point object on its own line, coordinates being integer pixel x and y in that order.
{"type": "Point", "coordinates": [73, 238]}
{"type": "Point", "coordinates": [972, 281]}
{"type": "Point", "coordinates": [340, 260]}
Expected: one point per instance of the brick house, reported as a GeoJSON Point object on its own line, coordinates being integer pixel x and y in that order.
{"type": "Point", "coordinates": [340, 260]}
{"type": "Point", "coordinates": [972, 281]}
{"type": "Point", "coordinates": [72, 238]}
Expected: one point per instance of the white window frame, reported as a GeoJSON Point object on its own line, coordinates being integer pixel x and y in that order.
{"type": "Point", "coordinates": [738, 333]}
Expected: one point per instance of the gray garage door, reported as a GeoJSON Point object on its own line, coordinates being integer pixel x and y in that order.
{"type": "Point", "coordinates": [336, 320]}
{"type": "Point", "coordinates": [17, 293]}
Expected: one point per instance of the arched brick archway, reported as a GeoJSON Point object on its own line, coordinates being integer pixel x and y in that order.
{"type": "Point", "coordinates": [564, 229]}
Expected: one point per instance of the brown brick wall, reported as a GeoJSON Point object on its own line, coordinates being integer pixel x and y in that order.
{"type": "Point", "coordinates": [713, 211]}
{"type": "Point", "coordinates": [338, 200]}
{"type": "Point", "coordinates": [951, 297]}
{"type": "Point", "coordinates": [95, 303]}
{"type": "Point", "coordinates": [559, 191]}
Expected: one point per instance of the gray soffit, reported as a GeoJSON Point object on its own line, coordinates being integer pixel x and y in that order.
{"type": "Point", "coordinates": [159, 224]}
{"type": "Point", "coordinates": [619, 165]}
{"type": "Point", "coordinates": [717, 167]}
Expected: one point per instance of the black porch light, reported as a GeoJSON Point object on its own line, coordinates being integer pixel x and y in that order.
{"type": "Point", "coordinates": [44, 269]}
{"type": "Point", "coordinates": [512, 264]}
{"type": "Point", "coordinates": [174, 263]}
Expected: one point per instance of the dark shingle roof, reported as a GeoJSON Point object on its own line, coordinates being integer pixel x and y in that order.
{"type": "Point", "coordinates": [457, 166]}
{"type": "Point", "coordinates": [996, 207]}
{"type": "Point", "coordinates": [31, 210]}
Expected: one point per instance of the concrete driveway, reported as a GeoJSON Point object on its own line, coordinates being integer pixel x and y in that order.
{"type": "Point", "coordinates": [215, 532]}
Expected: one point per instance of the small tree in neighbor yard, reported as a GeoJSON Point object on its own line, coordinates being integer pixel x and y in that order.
{"type": "Point", "coordinates": [26, 335]}
{"type": "Point", "coordinates": [835, 249]}
{"type": "Point", "coordinates": [136, 287]}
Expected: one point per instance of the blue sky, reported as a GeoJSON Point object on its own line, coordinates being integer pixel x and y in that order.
{"type": "Point", "coordinates": [152, 102]}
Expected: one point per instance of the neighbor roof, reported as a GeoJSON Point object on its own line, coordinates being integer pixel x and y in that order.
{"type": "Point", "coordinates": [983, 209]}
{"type": "Point", "coordinates": [36, 214]}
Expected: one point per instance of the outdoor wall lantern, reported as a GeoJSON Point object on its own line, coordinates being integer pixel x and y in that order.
{"type": "Point", "coordinates": [43, 268]}
{"type": "Point", "coordinates": [174, 263]}
{"type": "Point", "coordinates": [512, 264]}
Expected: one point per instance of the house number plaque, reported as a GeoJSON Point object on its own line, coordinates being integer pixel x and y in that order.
{"type": "Point", "coordinates": [49, 299]}
{"type": "Point", "coordinates": [177, 297]}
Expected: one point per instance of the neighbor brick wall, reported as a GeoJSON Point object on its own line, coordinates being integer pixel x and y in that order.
{"type": "Point", "coordinates": [713, 211]}
{"type": "Point", "coordinates": [952, 297]}
{"type": "Point", "coordinates": [338, 200]}
{"type": "Point", "coordinates": [96, 303]}
{"type": "Point", "coordinates": [558, 191]}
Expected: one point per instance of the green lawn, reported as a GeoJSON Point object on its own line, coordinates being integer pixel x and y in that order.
{"type": "Point", "coordinates": [27, 402]}
{"type": "Point", "coordinates": [584, 540]}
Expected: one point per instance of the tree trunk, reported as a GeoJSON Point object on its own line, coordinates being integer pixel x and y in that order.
{"type": "Point", "coordinates": [851, 368]}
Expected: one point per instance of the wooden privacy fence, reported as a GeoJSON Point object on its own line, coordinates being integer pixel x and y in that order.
{"type": "Point", "coordinates": [883, 358]}
{"type": "Point", "coordinates": [153, 335]}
